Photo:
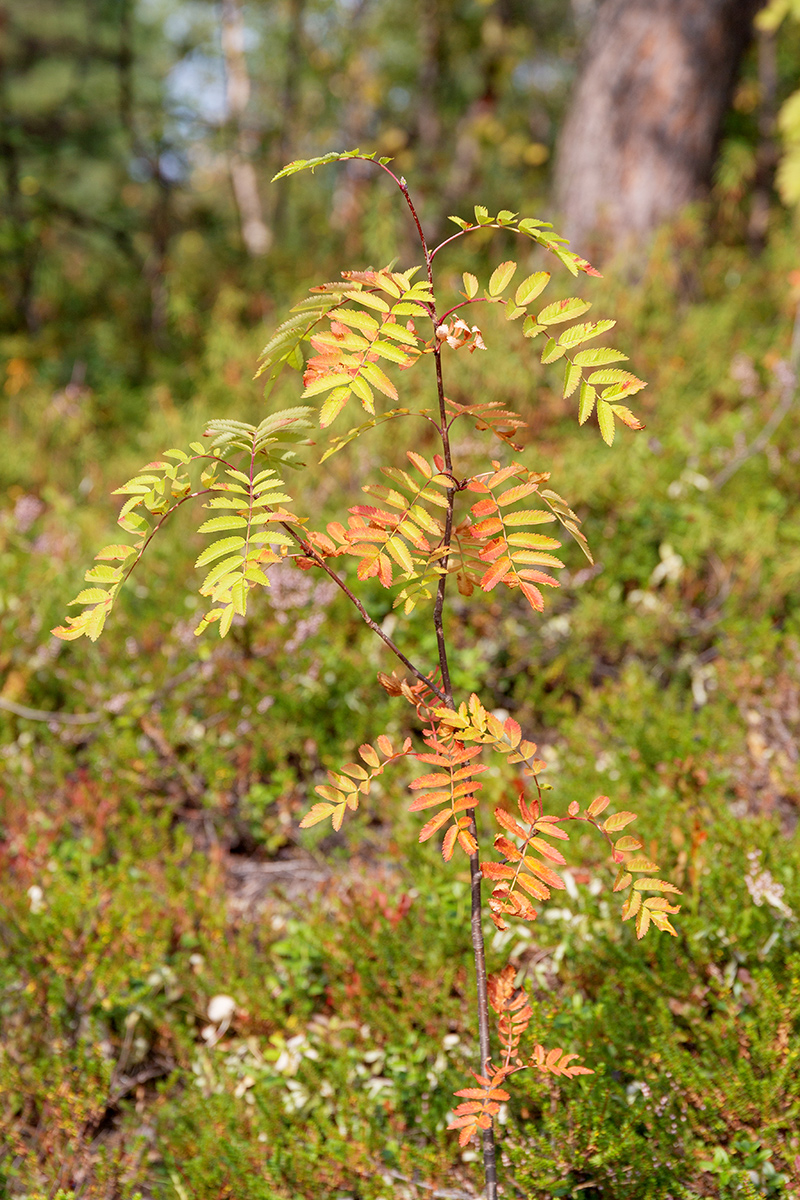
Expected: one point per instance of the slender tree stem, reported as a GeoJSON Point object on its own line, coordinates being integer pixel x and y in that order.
{"type": "Point", "coordinates": [476, 918]}
{"type": "Point", "coordinates": [478, 948]}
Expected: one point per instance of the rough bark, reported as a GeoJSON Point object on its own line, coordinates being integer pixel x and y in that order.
{"type": "Point", "coordinates": [640, 137]}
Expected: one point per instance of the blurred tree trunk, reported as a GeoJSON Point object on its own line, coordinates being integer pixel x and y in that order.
{"type": "Point", "coordinates": [639, 139]}
{"type": "Point", "coordinates": [255, 235]}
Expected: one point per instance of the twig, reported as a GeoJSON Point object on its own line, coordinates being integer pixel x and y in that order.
{"type": "Point", "coordinates": [41, 714]}
{"type": "Point", "coordinates": [786, 404]}
{"type": "Point", "coordinates": [311, 553]}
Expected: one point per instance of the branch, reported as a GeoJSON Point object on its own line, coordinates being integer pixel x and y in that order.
{"type": "Point", "coordinates": [310, 552]}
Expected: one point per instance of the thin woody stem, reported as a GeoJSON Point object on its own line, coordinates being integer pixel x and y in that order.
{"type": "Point", "coordinates": [310, 552]}
{"type": "Point", "coordinates": [476, 908]}
{"type": "Point", "coordinates": [478, 949]}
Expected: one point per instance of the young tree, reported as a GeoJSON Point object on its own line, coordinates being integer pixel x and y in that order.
{"type": "Point", "coordinates": [439, 519]}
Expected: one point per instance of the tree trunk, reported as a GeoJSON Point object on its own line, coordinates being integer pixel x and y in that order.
{"type": "Point", "coordinates": [639, 139]}
{"type": "Point", "coordinates": [255, 234]}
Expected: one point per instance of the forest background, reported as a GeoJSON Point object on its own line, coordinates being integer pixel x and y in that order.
{"type": "Point", "coordinates": [198, 1000]}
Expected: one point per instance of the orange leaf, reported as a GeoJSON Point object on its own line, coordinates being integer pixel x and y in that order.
{"type": "Point", "coordinates": [495, 573]}
{"type": "Point", "coordinates": [507, 821]}
{"type": "Point", "coordinates": [597, 806]}
{"type": "Point", "coordinates": [428, 800]}
{"type": "Point", "coordinates": [448, 845]}
{"type": "Point", "coordinates": [429, 829]}
{"type": "Point", "coordinates": [533, 886]}
{"type": "Point", "coordinates": [426, 781]}
{"type": "Point", "coordinates": [467, 842]}
{"type": "Point", "coordinates": [493, 870]}
{"type": "Point", "coordinates": [547, 851]}
{"type": "Point", "coordinates": [516, 493]}
{"type": "Point", "coordinates": [315, 814]}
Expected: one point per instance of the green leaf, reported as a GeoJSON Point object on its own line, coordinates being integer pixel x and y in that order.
{"type": "Point", "coordinates": [333, 406]}
{"type": "Point", "coordinates": [311, 164]}
{"type": "Point", "coordinates": [552, 351]}
{"type": "Point", "coordinates": [572, 377]}
{"type": "Point", "coordinates": [225, 620]}
{"type": "Point", "coordinates": [363, 391]}
{"type": "Point", "coordinates": [598, 357]}
{"type": "Point", "coordinates": [91, 596]}
{"type": "Point", "coordinates": [584, 332]}
{"type": "Point", "coordinates": [217, 549]}
{"type": "Point", "coordinates": [531, 287]}
{"type": "Point", "coordinates": [530, 328]}
{"type": "Point", "coordinates": [563, 310]}
{"type": "Point", "coordinates": [219, 571]}
{"type": "Point", "coordinates": [586, 403]}
{"type": "Point", "coordinates": [470, 285]}
{"type": "Point", "coordinates": [372, 300]}
{"type": "Point", "coordinates": [110, 553]}
{"type": "Point", "coordinates": [358, 320]}
{"type": "Point", "coordinates": [326, 382]}
{"type": "Point", "coordinates": [605, 419]}
{"type": "Point", "coordinates": [501, 277]}
{"type": "Point", "coordinates": [102, 574]}
{"type": "Point", "coordinates": [387, 350]}
{"type": "Point", "coordinates": [482, 214]}
{"type": "Point", "coordinates": [227, 522]}
{"type": "Point", "coordinates": [614, 375]}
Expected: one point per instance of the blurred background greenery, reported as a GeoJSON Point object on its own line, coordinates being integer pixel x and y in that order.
{"type": "Point", "coordinates": [152, 786]}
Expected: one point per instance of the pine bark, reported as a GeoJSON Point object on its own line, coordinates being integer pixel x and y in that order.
{"type": "Point", "coordinates": [640, 137]}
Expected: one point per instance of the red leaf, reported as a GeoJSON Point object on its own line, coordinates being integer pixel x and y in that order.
{"type": "Point", "coordinates": [533, 596]}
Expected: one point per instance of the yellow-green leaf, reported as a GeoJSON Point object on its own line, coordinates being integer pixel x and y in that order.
{"type": "Point", "coordinates": [605, 419]}
{"type": "Point", "coordinates": [587, 402]}
{"type": "Point", "coordinates": [552, 351]}
{"type": "Point", "coordinates": [572, 377]}
{"type": "Point", "coordinates": [470, 285]}
{"type": "Point", "coordinates": [501, 277]}
{"type": "Point", "coordinates": [227, 522]}
{"type": "Point", "coordinates": [562, 310]}
{"type": "Point", "coordinates": [531, 287]}
{"type": "Point", "coordinates": [217, 549]}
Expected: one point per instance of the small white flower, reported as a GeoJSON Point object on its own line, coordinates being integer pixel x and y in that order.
{"type": "Point", "coordinates": [36, 897]}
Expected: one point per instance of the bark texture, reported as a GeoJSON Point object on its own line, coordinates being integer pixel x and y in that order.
{"type": "Point", "coordinates": [640, 137]}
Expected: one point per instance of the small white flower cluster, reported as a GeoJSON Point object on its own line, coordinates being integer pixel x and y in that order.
{"type": "Point", "coordinates": [762, 887]}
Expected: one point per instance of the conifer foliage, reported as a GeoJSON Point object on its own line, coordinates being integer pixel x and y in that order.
{"type": "Point", "coordinates": [424, 522]}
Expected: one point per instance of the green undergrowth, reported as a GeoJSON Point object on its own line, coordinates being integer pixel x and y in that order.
{"type": "Point", "coordinates": [138, 848]}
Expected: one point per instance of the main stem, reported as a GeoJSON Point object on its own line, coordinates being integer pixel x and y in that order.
{"type": "Point", "coordinates": [478, 948]}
